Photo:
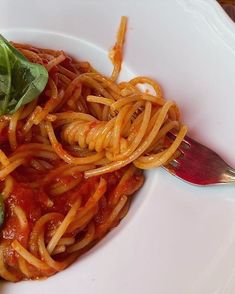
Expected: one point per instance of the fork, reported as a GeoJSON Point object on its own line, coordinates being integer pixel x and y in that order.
{"type": "Point", "coordinates": [199, 165]}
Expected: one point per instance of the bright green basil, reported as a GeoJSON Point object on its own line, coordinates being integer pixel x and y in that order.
{"type": "Point", "coordinates": [1, 210]}
{"type": "Point", "coordinates": [20, 80]}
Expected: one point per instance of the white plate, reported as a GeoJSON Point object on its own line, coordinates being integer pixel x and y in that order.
{"type": "Point", "coordinates": [176, 238]}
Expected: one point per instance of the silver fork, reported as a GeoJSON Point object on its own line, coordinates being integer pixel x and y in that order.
{"type": "Point", "coordinates": [199, 165]}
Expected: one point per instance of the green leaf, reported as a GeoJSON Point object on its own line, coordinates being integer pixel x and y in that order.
{"type": "Point", "coordinates": [1, 210]}
{"type": "Point", "coordinates": [21, 81]}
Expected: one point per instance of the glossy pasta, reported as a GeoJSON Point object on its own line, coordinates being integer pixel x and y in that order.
{"type": "Point", "coordinates": [72, 158]}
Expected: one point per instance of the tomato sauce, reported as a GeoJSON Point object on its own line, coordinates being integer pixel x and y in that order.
{"type": "Point", "coordinates": [37, 201]}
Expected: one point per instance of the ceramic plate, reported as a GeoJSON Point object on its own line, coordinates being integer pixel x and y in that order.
{"type": "Point", "coordinates": [177, 238]}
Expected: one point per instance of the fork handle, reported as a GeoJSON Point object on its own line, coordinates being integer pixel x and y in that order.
{"type": "Point", "coordinates": [228, 176]}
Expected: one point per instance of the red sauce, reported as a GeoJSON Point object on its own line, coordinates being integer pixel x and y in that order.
{"type": "Point", "coordinates": [68, 64]}
{"type": "Point", "coordinates": [54, 74]}
{"type": "Point", "coordinates": [4, 135]}
{"type": "Point", "coordinates": [26, 199]}
{"type": "Point", "coordinates": [34, 202]}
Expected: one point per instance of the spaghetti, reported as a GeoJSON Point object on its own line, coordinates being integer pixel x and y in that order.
{"type": "Point", "coordinates": [72, 158]}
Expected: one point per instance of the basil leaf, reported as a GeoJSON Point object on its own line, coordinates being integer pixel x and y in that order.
{"type": "Point", "coordinates": [1, 210]}
{"type": "Point", "coordinates": [21, 81]}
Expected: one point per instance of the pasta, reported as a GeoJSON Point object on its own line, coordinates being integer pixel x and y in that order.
{"type": "Point", "coordinates": [71, 159]}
